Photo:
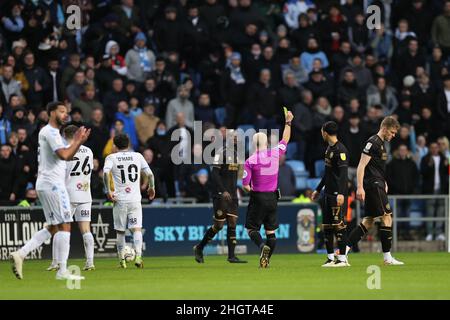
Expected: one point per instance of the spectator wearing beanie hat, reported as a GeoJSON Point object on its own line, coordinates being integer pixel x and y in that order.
{"type": "Point", "coordinates": [139, 60]}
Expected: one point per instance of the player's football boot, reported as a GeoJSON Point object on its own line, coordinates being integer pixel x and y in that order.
{"type": "Point", "coordinates": [53, 267]}
{"type": "Point", "coordinates": [328, 263]}
{"type": "Point", "coordinates": [264, 257]}
{"type": "Point", "coordinates": [138, 262]}
{"type": "Point", "coordinates": [236, 260]}
{"type": "Point", "coordinates": [122, 264]}
{"type": "Point", "coordinates": [393, 262]}
{"type": "Point", "coordinates": [340, 264]}
{"type": "Point", "coordinates": [68, 276]}
{"type": "Point", "coordinates": [89, 266]}
{"type": "Point", "coordinates": [198, 253]}
{"type": "Point", "coordinates": [17, 263]}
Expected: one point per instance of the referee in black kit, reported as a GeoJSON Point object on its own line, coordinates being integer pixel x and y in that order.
{"type": "Point", "coordinates": [261, 179]}
{"type": "Point", "coordinates": [334, 201]}
{"type": "Point", "coordinates": [225, 202]}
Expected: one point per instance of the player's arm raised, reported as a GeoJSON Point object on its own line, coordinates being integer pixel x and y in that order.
{"type": "Point", "coordinates": [360, 193]}
{"type": "Point", "coordinates": [79, 138]}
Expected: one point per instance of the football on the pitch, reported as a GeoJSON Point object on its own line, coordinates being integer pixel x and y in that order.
{"type": "Point", "coordinates": [129, 254]}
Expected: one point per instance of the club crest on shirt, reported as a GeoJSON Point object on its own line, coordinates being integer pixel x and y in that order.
{"type": "Point", "coordinates": [331, 155]}
{"type": "Point", "coordinates": [127, 189]}
{"type": "Point", "coordinates": [343, 156]}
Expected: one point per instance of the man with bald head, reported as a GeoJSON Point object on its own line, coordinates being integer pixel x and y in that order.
{"type": "Point", "coordinates": [261, 179]}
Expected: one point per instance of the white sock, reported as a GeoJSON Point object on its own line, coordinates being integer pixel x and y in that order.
{"type": "Point", "coordinates": [35, 242]}
{"type": "Point", "coordinates": [120, 244]}
{"type": "Point", "coordinates": [347, 250]}
{"type": "Point", "coordinates": [88, 240]}
{"type": "Point", "coordinates": [137, 240]}
{"type": "Point", "coordinates": [54, 252]}
{"type": "Point", "coordinates": [330, 256]}
{"type": "Point", "coordinates": [342, 258]}
{"type": "Point", "coordinates": [387, 256]}
{"type": "Point", "coordinates": [63, 247]}
{"type": "Point", "coordinates": [55, 249]}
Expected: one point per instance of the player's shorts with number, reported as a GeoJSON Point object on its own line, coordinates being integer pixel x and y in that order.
{"type": "Point", "coordinates": [81, 211]}
{"type": "Point", "coordinates": [56, 205]}
{"type": "Point", "coordinates": [127, 215]}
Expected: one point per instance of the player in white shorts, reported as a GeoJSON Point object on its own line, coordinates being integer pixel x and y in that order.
{"type": "Point", "coordinates": [124, 167]}
{"type": "Point", "coordinates": [78, 182]}
{"type": "Point", "coordinates": [50, 186]}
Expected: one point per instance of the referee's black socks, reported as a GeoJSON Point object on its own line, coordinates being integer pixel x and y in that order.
{"type": "Point", "coordinates": [386, 238]}
{"type": "Point", "coordinates": [271, 241]}
{"type": "Point", "coordinates": [209, 235]}
{"type": "Point", "coordinates": [357, 234]}
{"type": "Point", "coordinates": [256, 238]}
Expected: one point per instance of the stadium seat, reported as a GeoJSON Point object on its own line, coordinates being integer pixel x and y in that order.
{"type": "Point", "coordinates": [297, 166]}
{"type": "Point", "coordinates": [291, 151]}
{"type": "Point", "coordinates": [300, 183]}
{"type": "Point", "coordinates": [319, 168]}
{"type": "Point", "coordinates": [221, 114]}
{"type": "Point", "coordinates": [312, 183]}
{"type": "Point", "coordinates": [246, 127]}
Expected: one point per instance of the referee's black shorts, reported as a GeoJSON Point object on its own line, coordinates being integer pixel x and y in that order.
{"type": "Point", "coordinates": [376, 203]}
{"type": "Point", "coordinates": [332, 213]}
{"type": "Point", "coordinates": [262, 210]}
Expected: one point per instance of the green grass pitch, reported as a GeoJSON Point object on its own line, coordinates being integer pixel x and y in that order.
{"type": "Point", "coordinates": [425, 276]}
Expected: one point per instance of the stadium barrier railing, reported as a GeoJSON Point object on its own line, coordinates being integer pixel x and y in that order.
{"type": "Point", "coordinates": [416, 214]}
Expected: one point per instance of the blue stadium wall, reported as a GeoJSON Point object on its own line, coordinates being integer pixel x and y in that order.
{"type": "Point", "coordinates": [168, 231]}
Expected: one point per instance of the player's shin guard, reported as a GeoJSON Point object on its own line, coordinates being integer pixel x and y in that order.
{"type": "Point", "coordinates": [88, 240]}
{"type": "Point", "coordinates": [35, 242]}
{"type": "Point", "coordinates": [356, 235]}
{"type": "Point", "coordinates": [137, 242]}
{"type": "Point", "coordinates": [209, 235]}
{"type": "Point", "coordinates": [256, 238]}
{"type": "Point", "coordinates": [231, 241]}
{"type": "Point", "coordinates": [328, 232]}
{"type": "Point", "coordinates": [386, 238]}
{"type": "Point", "coordinates": [271, 241]}
{"type": "Point", "coordinates": [120, 244]}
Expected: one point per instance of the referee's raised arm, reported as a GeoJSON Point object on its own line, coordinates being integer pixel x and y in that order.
{"type": "Point", "coordinates": [287, 127]}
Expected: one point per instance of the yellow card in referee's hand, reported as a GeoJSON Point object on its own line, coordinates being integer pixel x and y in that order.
{"type": "Point", "coordinates": [285, 111]}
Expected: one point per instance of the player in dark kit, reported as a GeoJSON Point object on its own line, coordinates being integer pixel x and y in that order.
{"type": "Point", "coordinates": [372, 189]}
{"type": "Point", "coordinates": [225, 202]}
{"type": "Point", "coordinates": [335, 195]}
